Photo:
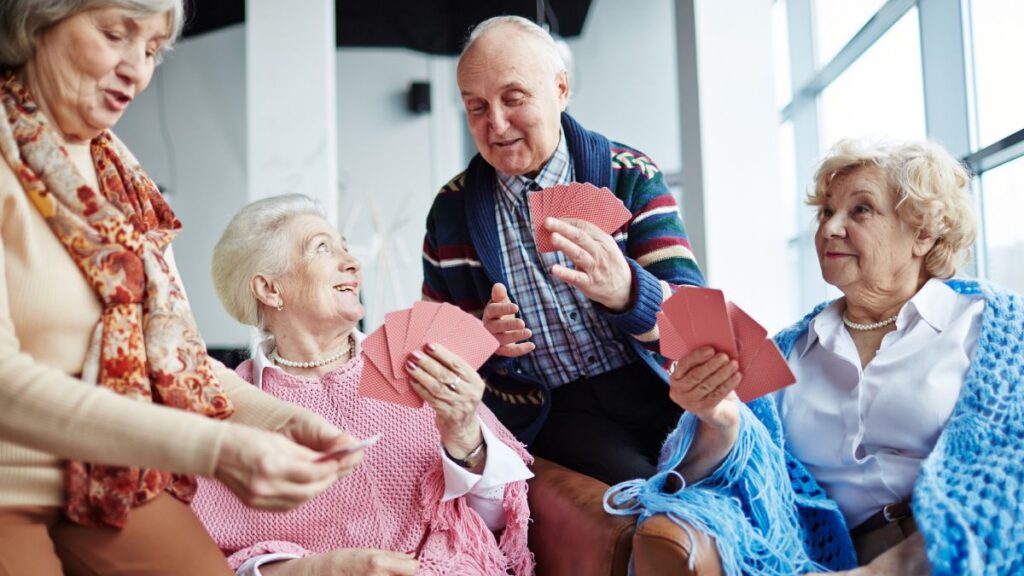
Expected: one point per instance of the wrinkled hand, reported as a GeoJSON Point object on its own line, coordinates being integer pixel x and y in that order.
{"type": "Point", "coordinates": [453, 389]}
{"type": "Point", "coordinates": [346, 562]}
{"type": "Point", "coordinates": [316, 433]}
{"type": "Point", "coordinates": [500, 320]}
{"type": "Point", "coordinates": [703, 382]}
{"type": "Point", "coordinates": [601, 271]}
{"type": "Point", "coordinates": [266, 470]}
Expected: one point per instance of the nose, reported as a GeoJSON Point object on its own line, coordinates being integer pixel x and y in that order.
{"type": "Point", "coordinates": [498, 119]}
{"type": "Point", "coordinates": [834, 226]}
{"type": "Point", "coordinates": [349, 263]}
{"type": "Point", "coordinates": [133, 67]}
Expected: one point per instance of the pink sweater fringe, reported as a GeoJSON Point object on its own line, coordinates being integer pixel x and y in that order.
{"type": "Point", "coordinates": [391, 502]}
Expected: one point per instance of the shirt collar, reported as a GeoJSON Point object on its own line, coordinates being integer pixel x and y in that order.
{"type": "Point", "coordinates": [261, 360]}
{"type": "Point", "coordinates": [935, 303]}
{"type": "Point", "coordinates": [557, 170]}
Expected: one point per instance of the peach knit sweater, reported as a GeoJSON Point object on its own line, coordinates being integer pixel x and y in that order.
{"type": "Point", "coordinates": [48, 313]}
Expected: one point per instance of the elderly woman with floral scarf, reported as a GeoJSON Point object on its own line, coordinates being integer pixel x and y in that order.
{"type": "Point", "coordinates": [110, 403]}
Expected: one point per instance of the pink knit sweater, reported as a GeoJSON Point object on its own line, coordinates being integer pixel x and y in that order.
{"type": "Point", "coordinates": [390, 502]}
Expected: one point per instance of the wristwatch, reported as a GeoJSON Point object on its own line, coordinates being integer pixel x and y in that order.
{"type": "Point", "coordinates": [472, 459]}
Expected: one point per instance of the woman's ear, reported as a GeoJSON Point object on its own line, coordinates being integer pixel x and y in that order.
{"type": "Point", "coordinates": [266, 291]}
{"type": "Point", "coordinates": [923, 243]}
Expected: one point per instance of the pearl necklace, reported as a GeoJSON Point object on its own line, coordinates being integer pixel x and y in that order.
{"type": "Point", "coordinates": [866, 327]}
{"type": "Point", "coordinates": [316, 363]}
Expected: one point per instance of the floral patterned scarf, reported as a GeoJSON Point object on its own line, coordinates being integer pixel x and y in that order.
{"type": "Point", "coordinates": [150, 349]}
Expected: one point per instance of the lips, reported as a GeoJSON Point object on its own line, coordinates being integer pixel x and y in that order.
{"type": "Point", "coordinates": [506, 143]}
{"type": "Point", "coordinates": [117, 100]}
{"type": "Point", "coordinates": [347, 287]}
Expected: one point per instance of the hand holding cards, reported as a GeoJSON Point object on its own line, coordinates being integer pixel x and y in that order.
{"type": "Point", "coordinates": [342, 452]}
{"type": "Point", "coordinates": [388, 347]}
{"type": "Point", "coordinates": [694, 317]}
{"type": "Point", "coordinates": [579, 200]}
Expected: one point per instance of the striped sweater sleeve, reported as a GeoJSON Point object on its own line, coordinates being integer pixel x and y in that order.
{"type": "Point", "coordinates": [656, 245]}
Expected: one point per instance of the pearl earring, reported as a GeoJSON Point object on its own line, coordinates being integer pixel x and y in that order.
{"type": "Point", "coordinates": [280, 307]}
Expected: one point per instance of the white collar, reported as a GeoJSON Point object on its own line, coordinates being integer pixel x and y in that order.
{"type": "Point", "coordinates": [935, 303]}
{"type": "Point", "coordinates": [261, 362]}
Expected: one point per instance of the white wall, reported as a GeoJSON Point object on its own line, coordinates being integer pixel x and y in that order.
{"type": "Point", "coordinates": [391, 162]}
{"type": "Point", "coordinates": [625, 83]}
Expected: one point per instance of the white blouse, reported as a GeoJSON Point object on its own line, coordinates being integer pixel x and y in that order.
{"type": "Point", "coordinates": [864, 433]}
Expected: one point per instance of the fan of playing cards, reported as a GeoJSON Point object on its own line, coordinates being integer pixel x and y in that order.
{"type": "Point", "coordinates": [695, 317]}
{"type": "Point", "coordinates": [575, 200]}
{"type": "Point", "coordinates": [388, 347]}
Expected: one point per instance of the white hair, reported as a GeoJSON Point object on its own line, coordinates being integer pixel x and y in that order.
{"type": "Point", "coordinates": [552, 52]}
{"type": "Point", "coordinates": [22, 21]}
{"type": "Point", "coordinates": [255, 242]}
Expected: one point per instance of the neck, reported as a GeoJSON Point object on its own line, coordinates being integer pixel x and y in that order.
{"type": "Point", "coordinates": [35, 83]}
{"type": "Point", "coordinates": [310, 346]}
{"type": "Point", "coordinates": [875, 305]}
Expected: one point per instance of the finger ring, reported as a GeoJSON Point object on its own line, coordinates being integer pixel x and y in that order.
{"type": "Point", "coordinates": [454, 384]}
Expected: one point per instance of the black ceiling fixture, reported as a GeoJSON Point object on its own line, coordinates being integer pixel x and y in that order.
{"type": "Point", "coordinates": [432, 26]}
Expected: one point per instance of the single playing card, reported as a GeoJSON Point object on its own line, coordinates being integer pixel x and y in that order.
{"type": "Point", "coordinates": [672, 346]}
{"type": "Point", "coordinates": [396, 325]}
{"type": "Point", "coordinates": [597, 206]}
{"type": "Point", "coordinates": [763, 368]}
{"type": "Point", "coordinates": [538, 212]}
{"type": "Point", "coordinates": [471, 341]}
{"type": "Point", "coordinates": [422, 315]}
{"type": "Point", "coordinates": [700, 318]}
{"type": "Point", "coordinates": [341, 453]}
{"type": "Point", "coordinates": [373, 384]}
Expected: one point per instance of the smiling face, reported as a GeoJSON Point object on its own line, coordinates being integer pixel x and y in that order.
{"type": "Point", "coordinates": [514, 99]}
{"type": "Point", "coordinates": [321, 288]}
{"type": "Point", "coordinates": [87, 68]}
{"type": "Point", "coordinates": [862, 244]}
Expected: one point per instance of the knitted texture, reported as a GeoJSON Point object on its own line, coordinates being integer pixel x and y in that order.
{"type": "Point", "coordinates": [462, 259]}
{"type": "Point", "coordinates": [967, 500]}
{"type": "Point", "coordinates": [392, 501]}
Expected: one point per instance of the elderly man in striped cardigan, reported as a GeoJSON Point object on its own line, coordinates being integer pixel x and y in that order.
{"type": "Point", "coordinates": [577, 376]}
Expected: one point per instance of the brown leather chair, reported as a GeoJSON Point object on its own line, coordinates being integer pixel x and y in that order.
{"type": "Point", "coordinates": [572, 535]}
{"type": "Point", "coordinates": [660, 546]}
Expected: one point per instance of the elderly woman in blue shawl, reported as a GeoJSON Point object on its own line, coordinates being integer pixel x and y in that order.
{"type": "Point", "coordinates": [900, 449]}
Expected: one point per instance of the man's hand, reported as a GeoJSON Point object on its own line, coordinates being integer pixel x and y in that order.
{"type": "Point", "coordinates": [500, 320]}
{"type": "Point", "coordinates": [601, 273]}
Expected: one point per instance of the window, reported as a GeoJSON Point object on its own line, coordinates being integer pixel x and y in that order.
{"type": "Point", "coordinates": [1002, 203]}
{"type": "Point", "coordinates": [881, 93]}
{"type": "Point", "coordinates": [836, 21]}
{"type": "Point", "coordinates": [997, 45]}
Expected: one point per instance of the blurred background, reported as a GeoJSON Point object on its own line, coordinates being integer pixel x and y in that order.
{"type": "Point", "coordinates": [355, 103]}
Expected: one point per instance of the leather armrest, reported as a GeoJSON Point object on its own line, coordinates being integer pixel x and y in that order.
{"type": "Point", "coordinates": [660, 546]}
{"type": "Point", "coordinates": [571, 533]}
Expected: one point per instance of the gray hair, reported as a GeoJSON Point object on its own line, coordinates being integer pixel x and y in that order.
{"type": "Point", "coordinates": [552, 53]}
{"type": "Point", "coordinates": [255, 242]}
{"type": "Point", "coordinates": [22, 21]}
{"type": "Point", "coordinates": [930, 189]}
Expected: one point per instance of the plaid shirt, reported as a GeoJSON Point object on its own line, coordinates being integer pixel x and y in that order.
{"type": "Point", "coordinates": [573, 340]}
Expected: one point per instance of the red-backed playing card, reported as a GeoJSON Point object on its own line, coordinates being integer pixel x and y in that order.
{"type": "Point", "coordinates": [700, 318]}
{"type": "Point", "coordinates": [373, 384]}
{"type": "Point", "coordinates": [471, 341]}
{"type": "Point", "coordinates": [422, 315]}
{"type": "Point", "coordinates": [762, 365]}
{"type": "Point", "coordinates": [672, 346]}
{"type": "Point", "coordinates": [396, 325]}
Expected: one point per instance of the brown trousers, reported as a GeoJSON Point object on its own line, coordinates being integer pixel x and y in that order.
{"type": "Point", "coordinates": [162, 537]}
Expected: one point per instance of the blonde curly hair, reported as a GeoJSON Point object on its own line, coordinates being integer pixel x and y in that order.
{"type": "Point", "coordinates": [930, 188]}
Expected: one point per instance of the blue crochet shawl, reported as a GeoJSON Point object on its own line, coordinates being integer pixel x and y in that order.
{"type": "Point", "coordinates": [769, 516]}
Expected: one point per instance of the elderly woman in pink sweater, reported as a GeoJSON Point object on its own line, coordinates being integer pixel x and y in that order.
{"type": "Point", "coordinates": [442, 492]}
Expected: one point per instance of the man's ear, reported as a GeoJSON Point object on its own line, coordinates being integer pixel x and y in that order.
{"type": "Point", "coordinates": [266, 291]}
{"type": "Point", "coordinates": [562, 86]}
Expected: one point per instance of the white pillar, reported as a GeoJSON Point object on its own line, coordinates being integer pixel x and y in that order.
{"type": "Point", "coordinates": [731, 175]}
{"type": "Point", "coordinates": [292, 104]}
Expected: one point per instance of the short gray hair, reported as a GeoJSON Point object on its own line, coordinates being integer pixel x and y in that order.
{"type": "Point", "coordinates": [930, 189]}
{"type": "Point", "coordinates": [255, 242]}
{"type": "Point", "coordinates": [22, 21]}
{"type": "Point", "coordinates": [552, 53]}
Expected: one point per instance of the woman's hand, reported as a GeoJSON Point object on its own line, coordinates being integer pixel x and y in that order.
{"type": "Point", "coordinates": [702, 383]}
{"type": "Point", "coordinates": [601, 271]}
{"type": "Point", "coordinates": [346, 562]}
{"type": "Point", "coordinates": [453, 389]}
{"type": "Point", "coordinates": [266, 470]}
